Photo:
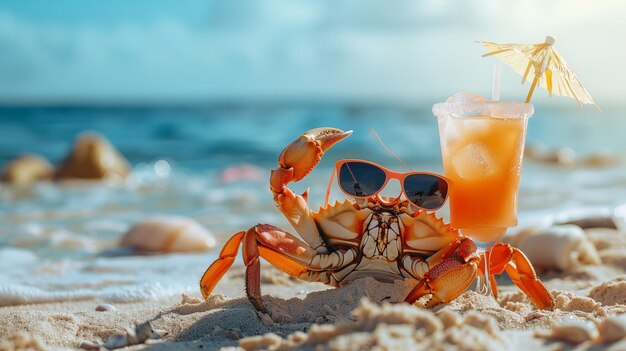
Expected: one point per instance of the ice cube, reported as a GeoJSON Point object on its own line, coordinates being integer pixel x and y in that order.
{"type": "Point", "coordinates": [465, 97]}
{"type": "Point", "coordinates": [474, 161]}
{"type": "Point", "coordinates": [476, 128]}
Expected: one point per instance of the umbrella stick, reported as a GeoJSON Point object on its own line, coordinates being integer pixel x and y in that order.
{"type": "Point", "coordinates": [532, 89]}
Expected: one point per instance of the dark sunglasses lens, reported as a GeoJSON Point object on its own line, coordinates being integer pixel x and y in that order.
{"type": "Point", "coordinates": [361, 179]}
{"type": "Point", "coordinates": [426, 191]}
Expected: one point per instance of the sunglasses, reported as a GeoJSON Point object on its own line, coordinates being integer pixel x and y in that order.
{"type": "Point", "coordinates": [363, 179]}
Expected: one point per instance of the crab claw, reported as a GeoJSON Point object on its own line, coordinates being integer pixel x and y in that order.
{"type": "Point", "coordinates": [306, 152]}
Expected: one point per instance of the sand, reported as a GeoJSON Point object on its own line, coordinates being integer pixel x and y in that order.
{"type": "Point", "coordinates": [365, 314]}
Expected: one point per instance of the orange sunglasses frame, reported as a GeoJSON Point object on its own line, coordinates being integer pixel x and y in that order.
{"type": "Point", "coordinates": [400, 176]}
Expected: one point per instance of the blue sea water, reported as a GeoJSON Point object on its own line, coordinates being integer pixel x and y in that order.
{"type": "Point", "coordinates": [62, 234]}
{"type": "Point", "coordinates": [201, 138]}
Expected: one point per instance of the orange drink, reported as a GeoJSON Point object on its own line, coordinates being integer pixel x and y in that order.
{"type": "Point", "coordinates": [482, 143]}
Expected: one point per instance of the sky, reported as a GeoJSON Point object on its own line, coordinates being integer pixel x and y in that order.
{"type": "Point", "coordinates": [354, 51]}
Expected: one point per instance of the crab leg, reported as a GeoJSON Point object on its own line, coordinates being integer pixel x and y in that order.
{"type": "Point", "coordinates": [283, 250]}
{"type": "Point", "coordinates": [216, 271]}
{"type": "Point", "coordinates": [518, 267]}
{"type": "Point", "coordinates": [294, 163]}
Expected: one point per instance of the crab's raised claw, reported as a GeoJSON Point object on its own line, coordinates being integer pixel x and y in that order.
{"type": "Point", "coordinates": [505, 257]}
{"type": "Point", "coordinates": [300, 157]}
{"type": "Point", "coordinates": [451, 276]}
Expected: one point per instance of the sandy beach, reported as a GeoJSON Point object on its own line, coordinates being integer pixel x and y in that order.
{"type": "Point", "coordinates": [363, 315]}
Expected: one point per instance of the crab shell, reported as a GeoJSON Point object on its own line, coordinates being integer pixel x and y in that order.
{"type": "Point", "coordinates": [343, 223]}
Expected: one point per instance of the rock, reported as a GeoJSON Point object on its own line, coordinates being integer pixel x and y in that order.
{"type": "Point", "coordinates": [612, 329]}
{"type": "Point", "coordinates": [560, 247]}
{"type": "Point", "coordinates": [26, 170]}
{"type": "Point", "coordinates": [168, 234]}
{"type": "Point", "coordinates": [93, 157]}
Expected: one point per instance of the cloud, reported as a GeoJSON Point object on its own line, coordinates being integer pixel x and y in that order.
{"type": "Point", "coordinates": [284, 50]}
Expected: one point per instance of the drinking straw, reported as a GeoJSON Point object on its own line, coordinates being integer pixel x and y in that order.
{"type": "Point", "coordinates": [495, 89]}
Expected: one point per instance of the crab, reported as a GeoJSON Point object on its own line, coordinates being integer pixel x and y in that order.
{"type": "Point", "coordinates": [381, 237]}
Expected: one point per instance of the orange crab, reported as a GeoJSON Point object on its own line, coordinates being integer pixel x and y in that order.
{"type": "Point", "coordinates": [385, 238]}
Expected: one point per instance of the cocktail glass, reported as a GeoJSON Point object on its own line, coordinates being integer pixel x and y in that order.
{"type": "Point", "coordinates": [482, 143]}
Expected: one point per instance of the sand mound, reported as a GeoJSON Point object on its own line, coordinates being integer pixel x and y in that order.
{"type": "Point", "coordinates": [612, 292]}
{"type": "Point", "coordinates": [389, 327]}
{"type": "Point", "coordinates": [365, 314]}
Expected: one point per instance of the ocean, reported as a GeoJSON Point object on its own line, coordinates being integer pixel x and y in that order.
{"type": "Point", "coordinates": [58, 242]}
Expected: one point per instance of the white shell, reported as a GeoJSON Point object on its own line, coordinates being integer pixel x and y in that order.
{"type": "Point", "coordinates": [612, 329]}
{"type": "Point", "coordinates": [573, 332]}
{"type": "Point", "coordinates": [105, 307]}
{"type": "Point", "coordinates": [168, 234]}
{"type": "Point", "coordinates": [560, 247]}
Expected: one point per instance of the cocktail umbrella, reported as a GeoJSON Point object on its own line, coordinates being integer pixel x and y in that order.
{"type": "Point", "coordinates": [543, 64]}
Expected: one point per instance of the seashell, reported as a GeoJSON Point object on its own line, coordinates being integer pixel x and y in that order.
{"type": "Point", "coordinates": [168, 234]}
{"type": "Point", "coordinates": [26, 170]}
{"type": "Point", "coordinates": [119, 340]}
{"type": "Point", "coordinates": [133, 336]}
{"type": "Point", "coordinates": [105, 307]}
{"type": "Point", "coordinates": [573, 332]}
{"type": "Point", "coordinates": [89, 346]}
{"type": "Point", "coordinates": [560, 247]}
{"type": "Point", "coordinates": [612, 329]}
{"type": "Point", "coordinates": [93, 157]}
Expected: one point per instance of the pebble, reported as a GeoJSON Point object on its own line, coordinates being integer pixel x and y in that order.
{"type": "Point", "coordinates": [105, 307]}
{"type": "Point", "coordinates": [612, 329]}
{"type": "Point", "coordinates": [234, 334]}
{"type": "Point", "coordinates": [26, 170]}
{"type": "Point", "coordinates": [93, 157]}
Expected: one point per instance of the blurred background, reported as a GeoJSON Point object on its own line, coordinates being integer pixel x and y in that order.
{"type": "Point", "coordinates": [186, 80]}
{"type": "Point", "coordinates": [201, 96]}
